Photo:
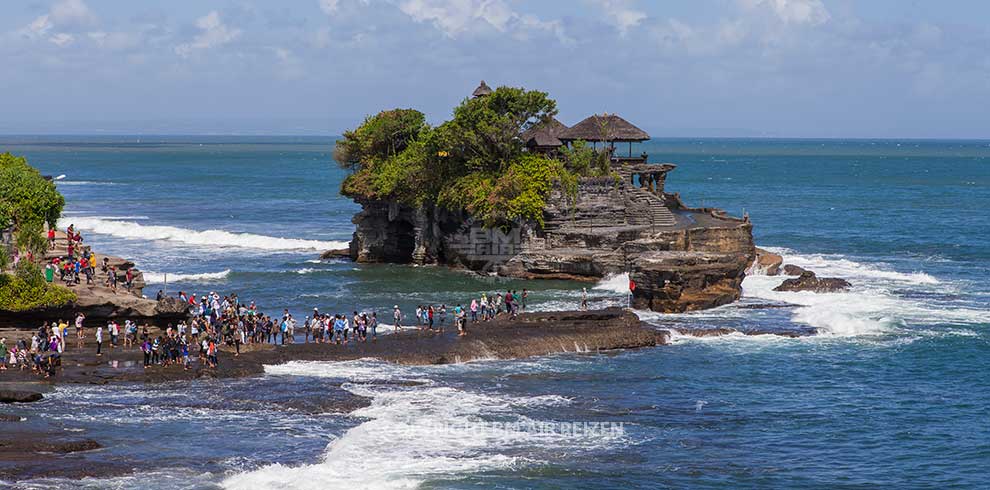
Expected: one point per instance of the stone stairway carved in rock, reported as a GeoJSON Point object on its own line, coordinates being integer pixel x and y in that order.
{"type": "Point", "coordinates": [646, 208]}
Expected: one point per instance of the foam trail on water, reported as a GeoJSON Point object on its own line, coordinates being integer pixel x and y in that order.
{"type": "Point", "coordinates": [207, 239]}
{"type": "Point", "coordinates": [159, 277]}
{"type": "Point", "coordinates": [413, 434]}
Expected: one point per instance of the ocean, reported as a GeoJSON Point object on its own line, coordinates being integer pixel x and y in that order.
{"type": "Point", "coordinates": [893, 392]}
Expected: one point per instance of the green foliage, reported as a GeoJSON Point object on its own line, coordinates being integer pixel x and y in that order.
{"type": "Point", "coordinates": [484, 132]}
{"type": "Point", "coordinates": [381, 136]}
{"type": "Point", "coordinates": [30, 273]}
{"type": "Point", "coordinates": [18, 294]}
{"type": "Point", "coordinates": [584, 160]}
{"type": "Point", "coordinates": [474, 162]}
{"type": "Point", "coordinates": [30, 237]}
{"type": "Point", "coordinates": [4, 258]}
{"type": "Point", "coordinates": [26, 198]}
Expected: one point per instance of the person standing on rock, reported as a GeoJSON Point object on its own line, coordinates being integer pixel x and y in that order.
{"type": "Point", "coordinates": [397, 316]}
{"type": "Point", "coordinates": [99, 341]}
{"type": "Point", "coordinates": [373, 326]}
{"type": "Point", "coordinates": [584, 299]}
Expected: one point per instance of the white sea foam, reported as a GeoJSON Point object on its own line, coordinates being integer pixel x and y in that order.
{"type": "Point", "coordinates": [207, 238]}
{"type": "Point", "coordinates": [617, 283]}
{"type": "Point", "coordinates": [872, 306]}
{"type": "Point", "coordinates": [159, 278]}
{"type": "Point", "coordinates": [84, 182]}
{"type": "Point", "coordinates": [413, 434]}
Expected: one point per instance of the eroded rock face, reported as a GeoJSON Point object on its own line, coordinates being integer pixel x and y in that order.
{"type": "Point", "coordinates": [808, 281]}
{"type": "Point", "coordinates": [610, 227]}
{"type": "Point", "coordinates": [675, 282]}
{"type": "Point", "coordinates": [793, 270]}
{"type": "Point", "coordinates": [767, 263]}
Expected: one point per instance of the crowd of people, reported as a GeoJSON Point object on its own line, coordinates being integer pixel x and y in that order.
{"type": "Point", "coordinates": [217, 321]}
{"type": "Point", "coordinates": [80, 261]}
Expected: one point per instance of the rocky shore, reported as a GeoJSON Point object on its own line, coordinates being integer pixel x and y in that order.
{"type": "Point", "coordinates": [530, 334]}
{"type": "Point", "coordinates": [98, 302]}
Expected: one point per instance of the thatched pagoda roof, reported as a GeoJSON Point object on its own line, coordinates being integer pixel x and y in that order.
{"type": "Point", "coordinates": [482, 90]}
{"type": "Point", "coordinates": [544, 134]}
{"type": "Point", "coordinates": [604, 127]}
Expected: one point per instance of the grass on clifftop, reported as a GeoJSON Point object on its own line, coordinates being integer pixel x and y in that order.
{"type": "Point", "coordinates": [475, 162]}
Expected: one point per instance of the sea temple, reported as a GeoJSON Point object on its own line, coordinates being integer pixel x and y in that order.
{"type": "Point", "coordinates": [620, 220]}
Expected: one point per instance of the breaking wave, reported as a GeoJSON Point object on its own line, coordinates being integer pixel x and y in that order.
{"type": "Point", "coordinates": [617, 283]}
{"type": "Point", "coordinates": [159, 277]}
{"type": "Point", "coordinates": [208, 238]}
{"type": "Point", "coordinates": [874, 305]}
{"type": "Point", "coordinates": [412, 434]}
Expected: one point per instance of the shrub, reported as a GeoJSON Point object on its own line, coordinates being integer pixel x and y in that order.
{"type": "Point", "coordinates": [17, 294]}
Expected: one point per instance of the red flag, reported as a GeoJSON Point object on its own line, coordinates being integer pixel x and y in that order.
{"type": "Point", "coordinates": [632, 285]}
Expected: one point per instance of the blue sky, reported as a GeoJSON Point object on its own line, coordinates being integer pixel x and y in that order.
{"type": "Point", "coordinates": [793, 68]}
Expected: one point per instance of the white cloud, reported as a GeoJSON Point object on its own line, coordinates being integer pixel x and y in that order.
{"type": "Point", "coordinates": [65, 16]}
{"type": "Point", "coordinates": [62, 39]}
{"type": "Point", "coordinates": [621, 14]}
{"type": "Point", "coordinates": [328, 6]}
{"type": "Point", "coordinates": [72, 12]}
{"type": "Point", "coordinates": [115, 41]}
{"type": "Point", "coordinates": [290, 67]}
{"type": "Point", "coordinates": [453, 17]}
{"type": "Point", "coordinates": [213, 33]}
{"type": "Point", "coordinates": [811, 12]}
{"type": "Point", "coordinates": [456, 17]}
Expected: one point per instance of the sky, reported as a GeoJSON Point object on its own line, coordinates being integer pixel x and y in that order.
{"type": "Point", "coordinates": [774, 68]}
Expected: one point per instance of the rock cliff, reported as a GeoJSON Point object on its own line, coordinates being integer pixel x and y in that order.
{"type": "Point", "coordinates": [680, 258]}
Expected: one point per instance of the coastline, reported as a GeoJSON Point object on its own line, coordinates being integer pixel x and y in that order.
{"type": "Point", "coordinates": [530, 334]}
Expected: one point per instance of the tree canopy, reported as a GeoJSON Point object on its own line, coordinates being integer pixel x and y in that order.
{"type": "Point", "coordinates": [474, 162]}
{"type": "Point", "coordinates": [26, 198]}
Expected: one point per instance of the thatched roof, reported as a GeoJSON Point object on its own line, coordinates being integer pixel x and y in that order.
{"type": "Point", "coordinates": [544, 134]}
{"type": "Point", "coordinates": [482, 90]}
{"type": "Point", "coordinates": [605, 127]}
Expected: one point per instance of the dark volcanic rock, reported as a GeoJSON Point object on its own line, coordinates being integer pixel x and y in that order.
{"type": "Point", "coordinates": [340, 253]}
{"type": "Point", "coordinates": [18, 396]}
{"type": "Point", "coordinates": [6, 417]}
{"type": "Point", "coordinates": [809, 282]}
{"type": "Point", "coordinates": [171, 306]}
{"type": "Point", "coordinates": [793, 270]}
{"type": "Point", "coordinates": [609, 226]}
{"type": "Point", "coordinates": [686, 281]}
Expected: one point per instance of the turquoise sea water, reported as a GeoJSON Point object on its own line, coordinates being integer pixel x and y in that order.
{"type": "Point", "coordinates": [893, 392]}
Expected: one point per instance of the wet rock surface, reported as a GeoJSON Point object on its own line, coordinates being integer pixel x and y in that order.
{"type": "Point", "coordinates": [530, 334]}
{"type": "Point", "coordinates": [767, 263]}
{"type": "Point", "coordinates": [808, 281]}
{"type": "Point", "coordinates": [19, 396]}
{"type": "Point", "coordinates": [687, 281]}
{"type": "Point", "coordinates": [793, 270]}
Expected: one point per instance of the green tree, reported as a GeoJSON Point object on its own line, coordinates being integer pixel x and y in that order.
{"type": "Point", "coordinates": [381, 136]}
{"type": "Point", "coordinates": [25, 196]}
{"type": "Point", "coordinates": [30, 237]}
{"type": "Point", "coordinates": [484, 133]}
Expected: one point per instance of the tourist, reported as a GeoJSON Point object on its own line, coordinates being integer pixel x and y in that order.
{"type": "Point", "coordinates": [584, 299]}
{"type": "Point", "coordinates": [99, 341]}
{"type": "Point", "coordinates": [397, 316]}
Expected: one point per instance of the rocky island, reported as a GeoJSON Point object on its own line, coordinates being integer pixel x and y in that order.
{"type": "Point", "coordinates": [506, 188]}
